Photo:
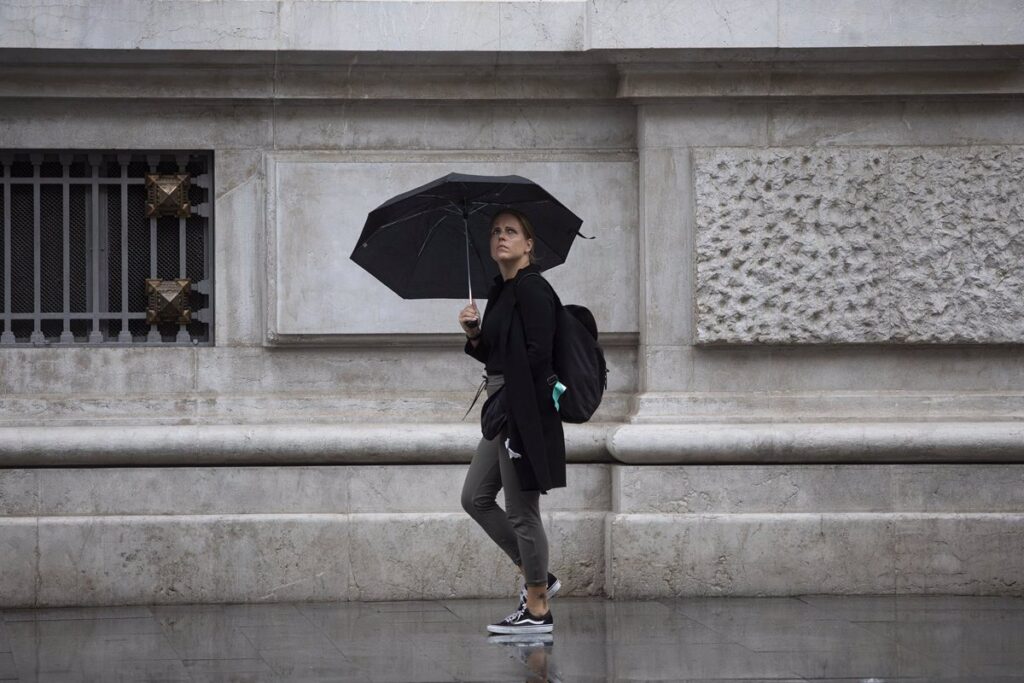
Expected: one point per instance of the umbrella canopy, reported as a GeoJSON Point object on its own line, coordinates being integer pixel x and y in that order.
{"type": "Point", "coordinates": [434, 242]}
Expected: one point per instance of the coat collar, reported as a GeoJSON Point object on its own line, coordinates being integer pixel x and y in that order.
{"type": "Point", "coordinates": [530, 268]}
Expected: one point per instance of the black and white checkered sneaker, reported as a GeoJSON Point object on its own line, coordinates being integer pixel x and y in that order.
{"type": "Point", "coordinates": [522, 621]}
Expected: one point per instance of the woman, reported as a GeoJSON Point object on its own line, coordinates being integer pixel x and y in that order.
{"type": "Point", "coordinates": [528, 456]}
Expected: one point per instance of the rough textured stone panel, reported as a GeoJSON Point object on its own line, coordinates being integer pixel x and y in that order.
{"type": "Point", "coordinates": [859, 245]}
{"type": "Point", "coordinates": [959, 219]}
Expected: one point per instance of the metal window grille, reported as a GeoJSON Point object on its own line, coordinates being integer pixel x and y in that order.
{"type": "Point", "coordinates": [77, 248]}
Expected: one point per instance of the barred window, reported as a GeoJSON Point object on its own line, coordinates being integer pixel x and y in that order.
{"type": "Point", "coordinates": [110, 248]}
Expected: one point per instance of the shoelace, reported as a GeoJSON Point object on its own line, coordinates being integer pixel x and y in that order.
{"type": "Point", "coordinates": [515, 615]}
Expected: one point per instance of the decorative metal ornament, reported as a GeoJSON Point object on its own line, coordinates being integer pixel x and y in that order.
{"type": "Point", "coordinates": [168, 301]}
{"type": "Point", "coordinates": [167, 195]}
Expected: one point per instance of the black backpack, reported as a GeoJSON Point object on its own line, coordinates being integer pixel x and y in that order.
{"type": "Point", "coordinates": [578, 361]}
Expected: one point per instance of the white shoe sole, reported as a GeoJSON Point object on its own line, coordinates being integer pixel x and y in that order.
{"type": "Point", "coordinates": [523, 639]}
{"type": "Point", "coordinates": [539, 628]}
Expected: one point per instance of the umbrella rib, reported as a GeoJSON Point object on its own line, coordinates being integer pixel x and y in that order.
{"type": "Point", "coordinates": [532, 201]}
{"type": "Point", "coordinates": [434, 196]}
{"type": "Point", "coordinates": [395, 222]}
{"type": "Point", "coordinates": [407, 217]}
{"type": "Point", "coordinates": [426, 240]}
{"type": "Point", "coordinates": [503, 188]}
{"type": "Point", "coordinates": [474, 200]}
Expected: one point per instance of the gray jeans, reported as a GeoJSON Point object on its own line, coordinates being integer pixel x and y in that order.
{"type": "Point", "coordinates": [518, 529]}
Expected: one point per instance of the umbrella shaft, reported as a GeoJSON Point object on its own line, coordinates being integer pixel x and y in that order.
{"type": "Point", "coordinates": [469, 274]}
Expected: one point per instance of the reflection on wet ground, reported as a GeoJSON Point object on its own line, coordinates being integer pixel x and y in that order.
{"type": "Point", "coordinates": [880, 638]}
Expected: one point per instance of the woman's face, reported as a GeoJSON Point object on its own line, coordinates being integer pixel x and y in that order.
{"type": "Point", "coordinates": [509, 243]}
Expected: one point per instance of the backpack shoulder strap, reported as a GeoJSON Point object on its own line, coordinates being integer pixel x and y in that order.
{"type": "Point", "coordinates": [558, 302]}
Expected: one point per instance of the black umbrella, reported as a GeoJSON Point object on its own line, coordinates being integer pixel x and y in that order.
{"type": "Point", "coordinates": [434, 242]}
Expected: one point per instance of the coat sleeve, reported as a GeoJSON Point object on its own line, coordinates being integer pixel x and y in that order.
{"type": "Point", "coordinates": [536, 304]}
{"type": "Point", "coordinates": [481, 352]}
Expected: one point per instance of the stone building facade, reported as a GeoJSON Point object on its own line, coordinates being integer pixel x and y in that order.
{"type": "Point", "coordinates": [809, 227]}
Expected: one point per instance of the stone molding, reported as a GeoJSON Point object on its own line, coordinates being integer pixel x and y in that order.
{"type": "Point", "coordinates": [819, 442]}
{"type": "Point", "coordinates": [413, 341]}
{"type": "Point", "coordinates": [604, 77]}
{"type": "Point", "coordinates": [371, 444]}
{"type": "Point", "coordinates": [431, 443]}
{"type": "Point", "coordinates": [676, 407]}
{"type": "Point", "coordinates": [826, 78]}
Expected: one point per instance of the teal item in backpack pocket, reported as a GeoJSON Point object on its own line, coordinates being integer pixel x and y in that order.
{"type": "Point", "coordinates": [556, 393]}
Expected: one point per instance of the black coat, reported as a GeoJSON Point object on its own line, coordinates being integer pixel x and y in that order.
{"type": "Point", "coordinates": [534, 426]}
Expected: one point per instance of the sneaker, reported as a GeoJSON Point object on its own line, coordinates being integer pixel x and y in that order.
{"type": "Point", "coordinates": [554, 585]}
{"type": "Point", "coordinates": [522, 621]}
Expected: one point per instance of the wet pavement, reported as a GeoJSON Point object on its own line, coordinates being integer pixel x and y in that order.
{"type": "Point", "coordinates": [886, 638]}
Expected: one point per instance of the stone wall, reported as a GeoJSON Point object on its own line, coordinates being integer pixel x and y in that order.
{"type": "Point", "coordinates": [180, 535]}
{"type": "Point", "coordinates": [805, 273]}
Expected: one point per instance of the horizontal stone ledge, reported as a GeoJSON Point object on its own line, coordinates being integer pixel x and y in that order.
{"type": "Point", "coordinates": [571, 26]}
{"type": "Point", "coordinates": [410, 340]}
{"type": "Point", "coordinates": [818, 442]}
{"type": "Point", "coordinates": [819, 79]}
{"type": "Point", "coordinates": [373, 444]}
{"type": "Point", "coordinates": [674, 407]}
{"type": "Point", "coordinates": [439, 443]}
{"type": "Point", "coordinates": [618, 77]}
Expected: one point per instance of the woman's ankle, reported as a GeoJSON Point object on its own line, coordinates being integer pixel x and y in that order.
{"type": "Point", "coordinates": [538, 609]}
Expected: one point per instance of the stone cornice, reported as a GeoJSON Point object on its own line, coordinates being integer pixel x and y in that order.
{"type": "Point", "coordinates": [821, 79]}
{"type": "Point", "coordinates": [552, 79]}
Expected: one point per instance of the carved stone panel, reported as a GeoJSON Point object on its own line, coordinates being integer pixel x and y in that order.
{"type": "Point", "coordinates": [859, 245]}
